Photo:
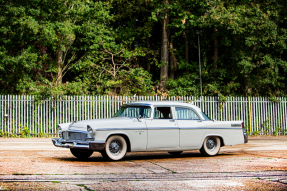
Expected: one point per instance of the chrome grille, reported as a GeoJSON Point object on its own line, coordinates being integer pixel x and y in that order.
{"type": "Point", "coordinates": [65, 135]}
{"type": "Point", "coordinates": [74, 136]}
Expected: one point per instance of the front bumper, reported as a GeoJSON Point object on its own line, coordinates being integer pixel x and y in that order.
{"type": "Point", "coordinates": [86, 145]}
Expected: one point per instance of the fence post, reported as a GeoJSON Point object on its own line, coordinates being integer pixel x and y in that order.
{"type": "Point", "coordinates": [249, 111]}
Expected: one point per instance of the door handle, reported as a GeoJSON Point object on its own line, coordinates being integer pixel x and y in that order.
{"type": "Point", "coordinates": [172, 120]}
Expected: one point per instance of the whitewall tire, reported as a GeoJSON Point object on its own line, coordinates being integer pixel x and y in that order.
{"type": "Point", "coordinates": [116, 148]}
{"type": "Point", "coordinates": [211, 146]}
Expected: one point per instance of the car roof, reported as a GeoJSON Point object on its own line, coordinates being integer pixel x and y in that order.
{"type": "Point", "coordinates": [164, 103]}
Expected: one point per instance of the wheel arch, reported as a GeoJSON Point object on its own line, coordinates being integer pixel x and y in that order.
{"type": "Point", "coordinates": [125, 136]}
{"type": "Point", "coordinates": [214, 135]}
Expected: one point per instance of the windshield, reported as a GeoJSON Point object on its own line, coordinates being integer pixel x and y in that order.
{"type": "Point", "coordinates": [134, 111]}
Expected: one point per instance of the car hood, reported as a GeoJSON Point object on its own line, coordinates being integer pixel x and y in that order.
{"type": "Point", "coordinates": [100, 123]}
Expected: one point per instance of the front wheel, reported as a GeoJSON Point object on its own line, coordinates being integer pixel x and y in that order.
{"type": "Point", "coordinates": [116, 148]}
{"type": "Point", "coordinates": [81, 154]}
{"type": "Point", "coordinates": [211, 146]}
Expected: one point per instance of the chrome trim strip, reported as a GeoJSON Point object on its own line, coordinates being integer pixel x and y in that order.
{"type": "Point", "coordinates": [236, 125]}
{"type": "Point", "coordinates": [210, 128]}
{"type": "Point", "coordinates": [223, 128]}
{"type": "Point", "coordinates": [149, 128]}
{"type": "Point", "coordinates": [126, 128]}
{"type": "Point", "coordinates": [162, 128]}
{"type": "Point", "coordinates": [192, 120]}
{"type": "Point", "coordinates": [192, 128]}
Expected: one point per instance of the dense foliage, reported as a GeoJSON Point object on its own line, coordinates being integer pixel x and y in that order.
{"type": "Point", "coordinates": [143, 47]}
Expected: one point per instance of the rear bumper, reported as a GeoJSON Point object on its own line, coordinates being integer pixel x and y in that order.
{"type": "Point", "coordinates": [86, 145]}
{"type": "Point", "coordinates": [245, 136]}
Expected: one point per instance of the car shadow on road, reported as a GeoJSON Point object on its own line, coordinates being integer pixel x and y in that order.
{"type": "Point", "coordinates": [146, 156]}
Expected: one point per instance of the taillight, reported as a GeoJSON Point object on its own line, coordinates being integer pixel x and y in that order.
{"type": "Point", "coordinates": [242, 125]}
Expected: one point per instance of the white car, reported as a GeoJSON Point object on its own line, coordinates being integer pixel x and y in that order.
{"type": "Point", "coordinates": [150, 126]}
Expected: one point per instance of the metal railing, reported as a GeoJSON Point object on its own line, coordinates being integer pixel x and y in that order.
{"type": "Point", "coordinates": [260, 115]}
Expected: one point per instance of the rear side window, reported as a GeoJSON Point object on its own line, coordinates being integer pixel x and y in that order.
{"type": "Point", "coordinates": [184, 113]}
{"type": "Point", "coordinates": [162, 113]}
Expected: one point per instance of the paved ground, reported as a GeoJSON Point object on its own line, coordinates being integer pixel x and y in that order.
{"type": "Point", "coordinates": [35, 164]}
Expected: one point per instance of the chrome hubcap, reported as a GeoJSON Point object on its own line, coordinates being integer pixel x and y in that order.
{"type": "Point", "coordinates": [211, 144]}
{"type": "Point", "coordinates": [115, 147]}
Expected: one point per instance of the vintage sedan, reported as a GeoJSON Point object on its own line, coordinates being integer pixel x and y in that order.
{"type": "Point", "coordinates": [150, 126]}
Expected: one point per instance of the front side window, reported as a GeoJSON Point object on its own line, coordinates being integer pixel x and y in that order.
{"type": "Point", "coordinates": [184, 113]}
{"type": "Point", "coordinates": [136, 111]}
{"type": "Point", "coordinates": [162, 113]}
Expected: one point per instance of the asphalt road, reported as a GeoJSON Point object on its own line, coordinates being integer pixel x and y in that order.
{"type": "Point", "coordinates": [35, 164]}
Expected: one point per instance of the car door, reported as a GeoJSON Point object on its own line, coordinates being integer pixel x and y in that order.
{"type": "Point", "coordinates": [191, 127]}
{"type": "Point", "coordinates": [163, 131]}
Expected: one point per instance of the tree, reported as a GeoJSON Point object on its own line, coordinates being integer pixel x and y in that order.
{"type": "Point", "coordinates": [123, 47]}
{"type": "Point", "coordinates": [250, 34]}
{"type": "Point", "coordinates": [49, 38]}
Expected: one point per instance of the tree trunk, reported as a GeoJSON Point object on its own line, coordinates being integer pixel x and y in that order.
{"type": "Point", "coordinates": [173, 65]}
{"type": "Point", "coordinates": [215, 57]}
{"type": "Point", "coordinates": [60, 62]}
{"type": "Point", "coordinates": [186, 46]}
{"type": "Point", "coordinates": [164, 52]}
{"type": "Point", "coordinates": [148, 47]}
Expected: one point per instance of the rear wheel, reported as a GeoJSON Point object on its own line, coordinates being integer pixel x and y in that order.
{"type": "Point", "coordinates": [211, 146]}
{"type": "Point", "coordinates": [116, 148]}
{"type": "Point", "coordinates": [175, 153]}
{"type": "Point", "coordinates": [81, 154]}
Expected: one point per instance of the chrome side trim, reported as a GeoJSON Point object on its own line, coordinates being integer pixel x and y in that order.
{"type": "Point", "coordinates": [192, 120]}
{"type": "Point", "coordinates": [162, 128]}
{"type": "Point", "coordinates": [236, 125]}
{"type": "Point", "coordinates": [114, 129]}
{"type": "Point", "coordinates": [134, 128]}
{"type": "Point", "coordinates": [209, 128]}
{"type": "Point", "coordinates": [193, 128]}
{"type": "Point", "coordinates": [223, 128]}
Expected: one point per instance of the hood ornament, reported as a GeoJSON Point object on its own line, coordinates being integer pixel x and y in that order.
{"type": "Point", "coordinates": [72, 124]}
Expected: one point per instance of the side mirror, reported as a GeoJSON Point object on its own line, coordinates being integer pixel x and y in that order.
{"type": "Point", "coordinates": [139, 117]}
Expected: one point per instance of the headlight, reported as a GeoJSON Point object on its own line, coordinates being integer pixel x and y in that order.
{"type": "Point", "coordinates": [89, 129]}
